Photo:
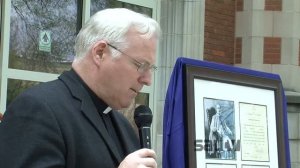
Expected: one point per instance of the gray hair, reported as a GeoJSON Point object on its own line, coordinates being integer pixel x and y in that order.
{"type": "Point", "coordinates": [112, 25]}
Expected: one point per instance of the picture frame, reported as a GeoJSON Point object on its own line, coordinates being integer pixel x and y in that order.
{"type": "Point", "coordinates": [253, 114]}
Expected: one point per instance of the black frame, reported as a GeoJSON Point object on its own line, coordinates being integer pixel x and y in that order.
{"type": "Point", "coordinates": [196, 72]}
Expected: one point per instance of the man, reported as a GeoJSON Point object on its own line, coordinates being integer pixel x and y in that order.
{"type": "Point", "coordinates": [219, 136]}
{"type": "Point", "coordinates": [72, 122]}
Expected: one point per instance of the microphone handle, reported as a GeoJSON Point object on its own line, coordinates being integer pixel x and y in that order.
{"type": "Point", "coordinates": [145, 138]}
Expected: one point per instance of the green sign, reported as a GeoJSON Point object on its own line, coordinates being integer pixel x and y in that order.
{"type": "Point", "coordinates": [45, 41]}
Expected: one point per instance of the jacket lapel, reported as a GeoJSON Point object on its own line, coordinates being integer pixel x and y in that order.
{"type": "Point", "coordinates": [72, 81]}
{"type": "Point", "coordinates": [130, 139]}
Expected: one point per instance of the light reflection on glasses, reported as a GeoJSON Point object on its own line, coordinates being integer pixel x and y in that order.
{"type": "Point", "coordinates": [142, 67]}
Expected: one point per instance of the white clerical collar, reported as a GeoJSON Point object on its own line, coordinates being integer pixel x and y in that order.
{"type": "Point", "coordinates": [107, 110]}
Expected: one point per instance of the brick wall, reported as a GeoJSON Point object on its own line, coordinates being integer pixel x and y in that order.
{"type": "Point", "coordinates": [272, 50]}
{"type": "Point", "coordinates": [220, 44]}
{"type": "Point", "coordinates": [238, 51]}
{"type": "Point", "coordinates": [239, 5]}
{"type": "Point", "coordinates": [273, 5]}
{"type": "Point", "coordinates": [219, 31]}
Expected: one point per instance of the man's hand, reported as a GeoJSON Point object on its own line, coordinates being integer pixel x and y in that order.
{"type": "Point", "coordinates": [139, 159]}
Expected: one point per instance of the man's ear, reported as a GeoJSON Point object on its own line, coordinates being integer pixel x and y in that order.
{"type": "Point", "coordinates": [98, 51]}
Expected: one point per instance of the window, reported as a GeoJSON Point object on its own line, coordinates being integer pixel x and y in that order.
{"type": "Point", "coordinates": [97, 5]}
{"type": "Point", "coordinates": [42, 34]}
{"type": "Point", "coordinates": [15, 87]}
{"type": "Point", "coordinates": [38, 40]}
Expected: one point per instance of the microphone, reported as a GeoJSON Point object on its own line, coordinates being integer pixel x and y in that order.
{"type": "Point", "coordinates": [143, 120]}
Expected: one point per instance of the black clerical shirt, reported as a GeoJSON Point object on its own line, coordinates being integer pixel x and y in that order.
{"type": "Point", "coordinates": [105, 114]}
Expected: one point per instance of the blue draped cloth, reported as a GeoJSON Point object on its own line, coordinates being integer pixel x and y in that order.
{"type": "Point", "coordinates": [174, 148]}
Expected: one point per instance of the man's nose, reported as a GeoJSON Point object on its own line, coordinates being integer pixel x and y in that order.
{"type": "Point", "coordinates": [146, 78]}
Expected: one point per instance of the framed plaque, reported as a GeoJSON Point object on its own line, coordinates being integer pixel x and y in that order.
{"type": "Point", "coordinates": [233, 119]}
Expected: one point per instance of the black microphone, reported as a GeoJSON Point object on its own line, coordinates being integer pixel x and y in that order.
{"type": "Point", "coordinates": [143, 120]}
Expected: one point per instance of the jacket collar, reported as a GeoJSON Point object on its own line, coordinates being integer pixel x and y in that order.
{"type": "Point", "coordinates": [75, 85]}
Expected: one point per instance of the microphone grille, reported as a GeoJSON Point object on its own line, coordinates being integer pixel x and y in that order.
{"type": "Point", "coordinates": [143, 116]}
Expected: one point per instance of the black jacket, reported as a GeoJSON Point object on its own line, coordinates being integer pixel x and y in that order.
{"type": "Point", "coordinates": [56, 124]}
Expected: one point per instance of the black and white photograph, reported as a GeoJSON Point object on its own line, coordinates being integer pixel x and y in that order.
{"type": "Point", "coordinates": [220, 134]}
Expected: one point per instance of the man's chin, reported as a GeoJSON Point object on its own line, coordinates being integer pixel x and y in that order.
{"type": "Point", "coordinates": [128, 104]}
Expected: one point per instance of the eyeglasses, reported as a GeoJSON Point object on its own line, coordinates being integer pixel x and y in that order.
{"type": "Point", "coordinates": [142, 67]}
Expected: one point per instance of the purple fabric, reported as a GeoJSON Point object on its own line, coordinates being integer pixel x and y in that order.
{"type": "Point", "coordinates": [174, 149]}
